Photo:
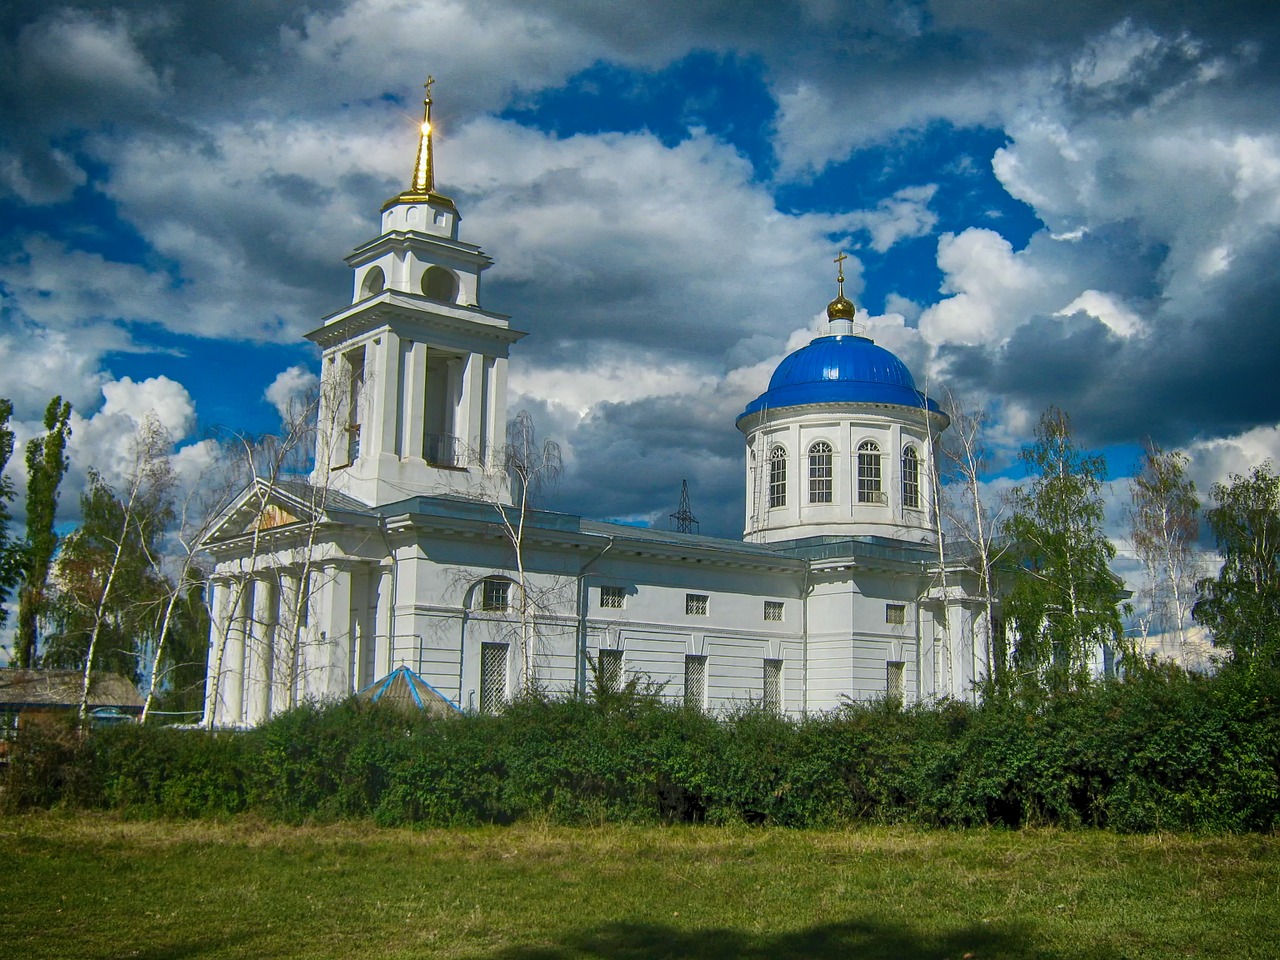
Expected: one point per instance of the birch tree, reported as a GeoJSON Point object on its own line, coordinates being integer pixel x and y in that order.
{"type": "Point", "coordinates": [1064, 600]}
{"type": "Point", "coordinates": [108, 565]}
{"type": "Point", "coordinates": [1241, 605]}
{"type": "Point", "coordinates": [965, 458]}
{"type": "Point", "coordinates": [1163, 527]}
{"type": "Point", "coordinates": [532, 467]}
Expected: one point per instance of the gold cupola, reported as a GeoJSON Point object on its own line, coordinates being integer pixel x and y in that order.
{"type": "Point", "coordinates": [841, 308]}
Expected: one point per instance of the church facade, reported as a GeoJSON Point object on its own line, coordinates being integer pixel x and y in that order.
{"type": "Point", "coordinates": [410, 545]}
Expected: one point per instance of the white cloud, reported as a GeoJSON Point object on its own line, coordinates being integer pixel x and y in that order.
{"type": "Point", "coordinates": [902, 216]}
{"type": "Point", "coordinates": [989, 283]}
{"type": "Point", "coordinates": [287, 392]}
{"type": "Point", "coordinates": [1109, 309]}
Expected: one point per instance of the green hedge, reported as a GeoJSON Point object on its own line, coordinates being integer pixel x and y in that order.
{"type": "Point", "coordinates": [1160, 750]}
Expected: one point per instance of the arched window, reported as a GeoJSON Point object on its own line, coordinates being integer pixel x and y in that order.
{"type": "Point", "coordinates": [374, 282]}
{"type": "Point", "coordinates": [440, 285]}
{"type": "Point", "coordinates": [820, 472]}
{"type": "Point", "coordinates": [494, 595]}
{"type": "Point", "coordinates": [777, 477]}
{"type": "Point", "coordinates": [911, 478]}
{"type": "Point", "coordinates": [869, 473]}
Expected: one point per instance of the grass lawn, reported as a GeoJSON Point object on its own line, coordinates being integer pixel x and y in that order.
{"type": "Point", "coordinates": [95, 886]}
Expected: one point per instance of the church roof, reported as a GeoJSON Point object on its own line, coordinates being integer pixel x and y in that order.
{"type": "Point", "coordinates": [840, 368]}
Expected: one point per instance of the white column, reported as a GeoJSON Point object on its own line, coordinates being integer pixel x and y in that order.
{"type": "Point", "coordinates": [382, 376]}
{"type": "Point", "coordinates": [414, 398]}
{"type": "Point", "coordinates": [382, 628]}
{"type": "Point", "coordinates": [215, 673]}
{"type": "Point", "coordinates": [233, 656]}
{"type": "Point", "coordinates": [286, 643]}
{"type": "Point", "coordinates": [260, 662]}
{"type": "Point", "coordinates": [498, 404]}
{"type": "Point", "coordinates": [334, 679]}
{"type": "Point", "coordinates": [470, 405]}
{"type": "Point", "coordinates": [311, 649]}
{"type": "Point", "coordinates": [454, 403]}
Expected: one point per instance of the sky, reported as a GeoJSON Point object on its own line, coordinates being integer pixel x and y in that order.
{"type": "Point", "coordinates": [1043, 204]}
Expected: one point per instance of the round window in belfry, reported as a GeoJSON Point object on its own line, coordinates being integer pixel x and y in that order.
{"type": "Point", "coordinates": [374, 281]}
{"type": "Point", "coordinates": [440, 285]}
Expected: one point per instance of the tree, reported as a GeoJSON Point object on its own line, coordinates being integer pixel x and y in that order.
{"type": "Point", "coordinates": [46, 465]}
{"type": "Point", "coordinates": [510, 480]}
{"type": "Point", "coordinates": [531, 468]}
{"type": "Point", "coordinates": [964, 463]}
{"type": "Point", "coordinates": [11, 555]}
{"type": "Point", "coordinates": [108, 569]}
{"type": "Point", "coordinates": [1163, 525]}
{"type": "Point", "coordinates": [1064, 600]}
{"type": "Point", "coordinates": [1241, 605]}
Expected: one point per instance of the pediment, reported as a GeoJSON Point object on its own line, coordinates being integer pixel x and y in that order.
{"type": "Point", "coordinates": [261, 506]}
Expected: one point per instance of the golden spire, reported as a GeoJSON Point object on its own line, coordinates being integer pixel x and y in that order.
{"type": "Point", "coordinates": [840, 308]}
{"type": "Point", "coordinates": [424, 174]}
{"type": "Point", "coordinates": [423, 185]}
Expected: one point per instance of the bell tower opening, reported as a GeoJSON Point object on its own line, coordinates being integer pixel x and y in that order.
{"type": "Point", "coordinates": [440, 285]}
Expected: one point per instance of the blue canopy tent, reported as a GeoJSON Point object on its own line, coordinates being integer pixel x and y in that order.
{"type": "Point", "coordinates": [405, 689]}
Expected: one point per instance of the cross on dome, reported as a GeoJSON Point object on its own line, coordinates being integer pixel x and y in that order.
{"type": "Point", "coordinates": [841, 308]}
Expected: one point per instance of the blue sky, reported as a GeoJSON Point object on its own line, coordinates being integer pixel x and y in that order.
{"type": "Point", "coordinates": [1072, 206]}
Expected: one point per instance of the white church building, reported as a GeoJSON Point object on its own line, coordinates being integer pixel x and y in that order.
{"type": "Point", "coordinates": [404, 548]}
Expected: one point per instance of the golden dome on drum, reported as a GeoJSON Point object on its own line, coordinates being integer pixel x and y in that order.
{"type": "Point", "coordinates": [840, 309]}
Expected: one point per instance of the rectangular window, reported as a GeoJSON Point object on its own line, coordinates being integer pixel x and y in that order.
{"type": "Point", "coordinates": [895, 680]}
{"type": "Point", "coordinates": [695, 682]}
{"type": "Point", "coordinates": [869, 474]}
{"type": "Point", "coordinates": [493, 677]}
{"type": "Point", "coordinates": [695, 604]}
{"type": "Point", "coordinates": [773, 685]}
{"type": "Point", "coordinates": [496, 596]}
{"type": "Point", "coordinates": [773, 610]}
{"type": "Point", "coordinates": [910, 479]}
{"type": "Point", "coordinates": [895, 613]}
{"type": "Point", "coordinates": [820, 472]}
{"type": "Point", "coordinates": [613, 598]}
{"type": "Point", "coordinates": [777, 478]}
{"type": "Point", "coordinates": [609, 663]}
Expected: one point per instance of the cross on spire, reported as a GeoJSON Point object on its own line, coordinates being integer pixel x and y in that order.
{"type": "Point", "coordinates": [839, 262]}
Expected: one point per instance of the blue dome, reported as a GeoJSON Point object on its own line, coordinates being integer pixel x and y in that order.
{"type": "Point", "coordinates": [840, 369]}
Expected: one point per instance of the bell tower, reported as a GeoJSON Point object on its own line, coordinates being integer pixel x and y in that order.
{"type": "Point", "coordinates": [414, 372]}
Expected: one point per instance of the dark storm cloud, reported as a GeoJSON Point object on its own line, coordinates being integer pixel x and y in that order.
{"type": "Point", "coordinates": [1186, 379]}
{"type": "Point", "coordinates": [632, 456]}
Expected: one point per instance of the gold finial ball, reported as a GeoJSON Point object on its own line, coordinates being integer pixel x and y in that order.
{"type": "Point", "coordinates": [840, 309]}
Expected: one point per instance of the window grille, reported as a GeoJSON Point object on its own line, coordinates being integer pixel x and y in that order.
{"type": "Point", "coordinates": [773, 610]}
{"type": "Point", "coordinates": [910, 479]}
{"type": "Point", "coordinates": [609, 663]}
{"type": "Point", "coordinates": [773, 685]}
{"type": "Point", "coordinates": [895, 680]}
{"type": "Point", "coordinates": [695, 682]}
{"type": "Point", "coordinates": [869, 472]}
{"type": "Point", "coordinates": [695, 604]}
{"type": "Point", "coordinates": [613, 598]}
{"type": "Point", "coordinates": [493, 677]}
{"type": "Point", "coordinates": [820, 472]}
{"type": "Point", "coordinates": [496, 595]}
{"type": "Point", "coordinates": [895, 613]}
{"type": "Point", "coordinates": [777, 477]}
